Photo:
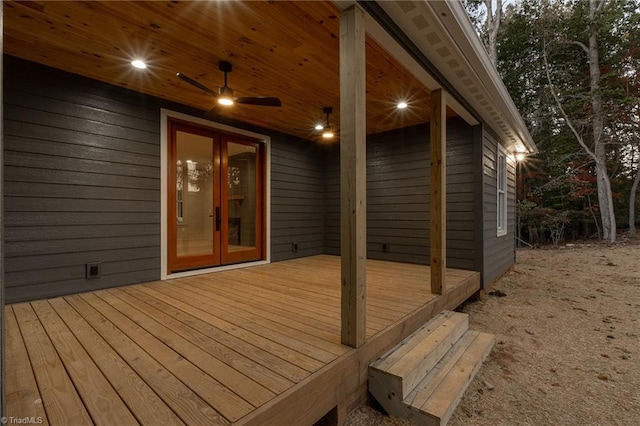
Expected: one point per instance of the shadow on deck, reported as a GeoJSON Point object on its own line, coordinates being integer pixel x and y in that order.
{"type": "Point", "coordinates": [259, 345]}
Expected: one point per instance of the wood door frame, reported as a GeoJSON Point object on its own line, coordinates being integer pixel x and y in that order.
{"type": "Point", "coordinates": [165, 115]}
{"type": "Point", "coordinates": [258, 250]}
{"type": "Point", "coordinates": [192, 262]}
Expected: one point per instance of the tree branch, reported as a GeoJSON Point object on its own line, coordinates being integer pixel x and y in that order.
{"type": "Point", "coordinates": [559, 104]}
{"type": "Point", "coordinates": [580, 44]}
{"type": "Point", "coordinates": [600, 5]}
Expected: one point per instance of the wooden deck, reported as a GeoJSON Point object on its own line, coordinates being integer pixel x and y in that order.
{"type": "Point", "coordinates": [251, 346]}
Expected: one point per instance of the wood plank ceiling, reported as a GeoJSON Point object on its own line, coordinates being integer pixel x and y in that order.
{"type": "Point", "coordinates": [277, 48]}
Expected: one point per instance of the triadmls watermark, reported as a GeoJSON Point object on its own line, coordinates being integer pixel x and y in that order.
{"type": "Point", "coordinates": [27, 420]}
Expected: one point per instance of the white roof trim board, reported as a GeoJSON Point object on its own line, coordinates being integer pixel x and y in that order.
{"type": "Point", "coordinates": [444, 34]}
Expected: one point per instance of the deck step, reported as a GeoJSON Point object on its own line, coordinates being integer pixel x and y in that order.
{"type": "Point", "coordinates": [424, 377]}
{"type": "Point", "coordinates": [439, 393]}
{"type": "Point", "coordinates": [406, 364]}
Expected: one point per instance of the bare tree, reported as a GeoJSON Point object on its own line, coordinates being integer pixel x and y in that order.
{"type": "Point", "coordinates": [486, 16]}
{"type": "Point", "coordinates": [632, 204]}
{"type": "Point", "coordinates": [634, 191]}
{"type": "Point", "coordinates": [494, 18]}
{"type": "Point", "coordinates": [635, 155]}
{"type": "Point", "coordinates": [597, 149]}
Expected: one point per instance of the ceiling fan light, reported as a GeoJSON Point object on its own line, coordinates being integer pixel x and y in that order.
{"type": "Point", "coordinates": [225, 95]}
{"type": "Point", "coordinates": [402, 105]}
{"type": "Point", "coordinates": [328, 129]}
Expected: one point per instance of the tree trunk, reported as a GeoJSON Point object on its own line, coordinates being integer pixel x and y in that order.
{"type": "Point", "coordinates": [605, 196]}
{"type": "Point", "coordinates": [632, 204]}
{"type": "Point", "coordinates": [493, 25]}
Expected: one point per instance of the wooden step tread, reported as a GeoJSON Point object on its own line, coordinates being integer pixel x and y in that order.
{"type": "Point", "coordinates": [409, 362]}
{"type": "Point", "coordinates": [389, 359]}
{"type": "Point", "coordinates": [440, 391]}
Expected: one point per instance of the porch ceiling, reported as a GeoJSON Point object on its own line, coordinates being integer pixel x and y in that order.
{"type": "Point", "coordinates": [284, 49]}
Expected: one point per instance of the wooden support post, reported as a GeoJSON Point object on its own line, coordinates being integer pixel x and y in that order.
{"type": "Point", "coordinates": [438, 223]}
{"type": "Point", "coordinates": [353, 185]}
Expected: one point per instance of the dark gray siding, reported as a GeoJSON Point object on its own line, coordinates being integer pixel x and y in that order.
{"type": "Point", "coordinates": [499, 252]}
{"type": "Point", "coordinates": [297, 198]}
{"type": "Point", "coordinates": [82, 183]}
{"type": "Point", "coordinates": [332, 201]}
{"type": "Point", "coordinates": [82, 175]}
{"type": "Point", "coordinates": [398, 185]}
{"type": "Point", "coordinates": [2, 280]}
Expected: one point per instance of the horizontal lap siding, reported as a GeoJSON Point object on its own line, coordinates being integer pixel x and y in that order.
{"type": "Point", "coordinates": [398, 195]}
{"type": "Point", "coordinates": [297, 194]}
{"type": "Point", "coordinates": [499, 252]}
{"type": "Point", "coordinates": [332, 201]}
{"type": "Point", "coordinates": [82, 173]}
{"type": "Point", "coordinates": [398, 185]}
{"type": "Point", "coordinates": [82, 183]}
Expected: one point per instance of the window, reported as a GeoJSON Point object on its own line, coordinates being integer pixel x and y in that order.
{"type": "Point", "coordinates": [501, 173]}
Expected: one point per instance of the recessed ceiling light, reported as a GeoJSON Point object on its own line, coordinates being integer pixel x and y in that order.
{"type": "Point", "coordinates": [520, 156]}
{"type": "Point", "coordinates": [319, 127]}
{"type": "Point", "coordinates": [402, 105]}
{"type": "Point", "coordinates": [139, 64]}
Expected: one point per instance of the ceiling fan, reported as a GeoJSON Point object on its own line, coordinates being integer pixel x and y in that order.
{"type": "Point", "coordinates": [225, 93]}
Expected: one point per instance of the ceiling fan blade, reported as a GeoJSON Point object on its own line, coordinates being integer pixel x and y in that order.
{"type": "Point", "coordinates": [196, 84]}
{"type": "Point", "coordinates": [259, 100]}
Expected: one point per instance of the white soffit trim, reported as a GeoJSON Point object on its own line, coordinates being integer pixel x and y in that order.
{"type": "Point", "coordinates": [388, 43]}
{"type": "Point", "coordinates": [444, 34]}
{"type": "Point", "coordinates": [384, 39]}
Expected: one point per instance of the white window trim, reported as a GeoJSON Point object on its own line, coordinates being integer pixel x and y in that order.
{"type": "Point", "coordinates": [501, 191]}
{"type": "Point", "coordinates": [164, 155]}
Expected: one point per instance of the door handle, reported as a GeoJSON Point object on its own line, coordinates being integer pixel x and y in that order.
{"type": "Point", "coordinates": [218, 219]}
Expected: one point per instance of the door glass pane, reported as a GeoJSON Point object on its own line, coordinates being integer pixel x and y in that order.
{"type": "Point", "coordinates": [194, 194]}
{"type": "Point", "coordinates": [241, 180]}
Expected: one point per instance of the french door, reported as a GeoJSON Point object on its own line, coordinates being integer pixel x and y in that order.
{"type": "Point", "coordinates": [215, 198]}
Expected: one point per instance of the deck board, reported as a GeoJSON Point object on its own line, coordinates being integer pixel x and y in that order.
{"type": "Point", "coordinates": [282, 310]}
{"type": "Point", "coordinates": [220, 348]}
{"type": "Point", "coordinates": [227, 403]}
{"type": "Point", "coordinates": [250, 318]}
{"type": "Point", "coordinates": [305, 352]}
{"type": "Point", "coordinates": [100, 399]}
{"type": "Point", "coordinates": [61, 401]}
{"type": "Point", "coordinates": [181, 399]}
{"type": "Point", "coordinates": [24, 396]}
{"type": "Point", "coordinates": [233, 359]}
{"type": "Point", "coordinates": [196, 320]}
{"type": "Point", "coordinates": [143, 402]}
{"type": "Point", "coordinates": [224, 375]}
{"type": "Point", "coordinates": [297, 360]}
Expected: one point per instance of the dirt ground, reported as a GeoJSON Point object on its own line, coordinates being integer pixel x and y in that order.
{"type": "Point", "coordinates": [567, 342]}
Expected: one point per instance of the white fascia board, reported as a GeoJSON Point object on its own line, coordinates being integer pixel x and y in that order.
{"type": "Point", "coordinates": [464, 35]}
{"type": "Point", "coordinates": [399, 53]}
{"type": "Point", "coordinates": [444, 34]}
